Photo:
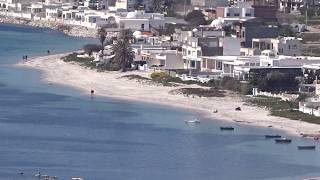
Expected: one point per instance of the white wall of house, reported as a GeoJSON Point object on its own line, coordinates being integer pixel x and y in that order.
{"type": "Point", "coordinates": [135, 24]}
{"type": "Point", "coordinates": [231, 46]}
{"type": "Point", "coordinates": [290, 46]}
{"type": "Point", "coordinates": [238, 12]}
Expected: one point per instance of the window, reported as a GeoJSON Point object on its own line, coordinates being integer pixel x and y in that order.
{"type": "Point", "coordinates": [142, 27]}
{"type": "Point", "coordinates": [193, 64]}
{"type": "Point", "coordinates": [228, 14]}
{"type": "Point", "coordinates": [219, 66]}
{"type": "Point", "coordinates": [236, 14]}
{"type": "Point", "coordinates": [248, 14]}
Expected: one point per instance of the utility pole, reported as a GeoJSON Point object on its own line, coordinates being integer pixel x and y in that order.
{"type": "Point", "coordinates": [307, 5]}
{"type": "Point", "coordinates": [184, 7]}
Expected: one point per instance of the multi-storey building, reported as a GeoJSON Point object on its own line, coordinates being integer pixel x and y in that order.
{"type": "Point", "coordinates": [288, 46]}
{"type": "Point", "coordinates": [196, 46]}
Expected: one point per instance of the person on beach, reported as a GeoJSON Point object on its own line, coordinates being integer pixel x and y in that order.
{"type": "Point", "coordinates": [48, 52]}
{"type": "Point", "coordinates": [26, 58]}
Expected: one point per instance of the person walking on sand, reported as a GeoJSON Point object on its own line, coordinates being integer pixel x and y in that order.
{"type": "Point", "coordinates": [48, 52]}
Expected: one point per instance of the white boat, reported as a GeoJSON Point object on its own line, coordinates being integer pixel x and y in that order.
{"type": "Point", "coordinates": [77, 178]}
{"type": "Point", "coordinates": [192, 121]}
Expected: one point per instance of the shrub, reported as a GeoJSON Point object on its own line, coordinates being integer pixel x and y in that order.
{"type": "Point", "coordinates": [85, 61]}
{"type": "Point", "coordinates": [90, 48]}
{"type": "Point", "coordinates": [158, 76]}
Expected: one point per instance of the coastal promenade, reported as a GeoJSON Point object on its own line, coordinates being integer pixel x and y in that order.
{"type": "Point", "coordinates": [112, 84]}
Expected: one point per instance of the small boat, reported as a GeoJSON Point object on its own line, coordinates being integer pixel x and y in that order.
{"type": "Point", "coordinates": [283, 140]}
{"type": "Point", "coordinates": [227, 128]}
{"type": "Point", "coordinates": [311, 147]}
{"type": "Point", "coordinates": [77, 178]}
{"type": "Point", "coordinates": [272, 136]}
{"type": "Point", "coordinates": [192, 121]}
{"type": "Point", "coordinates": [38, 175]}
{"type": "Point", "coordinates": [317, 178]}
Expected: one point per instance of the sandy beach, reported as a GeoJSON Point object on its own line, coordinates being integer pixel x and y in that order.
{"type": "Point", "coordinates": [110, 84]}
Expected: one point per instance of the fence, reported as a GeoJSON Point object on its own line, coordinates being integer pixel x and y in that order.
{"type": "Point", "coordinates": [283, 96]}
{"type": "Point", "coordinates": [311, 108]}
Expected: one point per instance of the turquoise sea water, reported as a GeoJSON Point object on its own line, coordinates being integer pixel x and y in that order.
{"type": "Point", "coordinates": [57, 131]}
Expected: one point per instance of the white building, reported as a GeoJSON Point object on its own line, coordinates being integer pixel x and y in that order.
{"type": "Point", "coordinates": [141, 21]}
{"type": "Point", "coordinates": [96, 4]}
{"type": "Point", "coordinates": [194, 47]}
{"type": "Point", "coordinates": [241, 66]}
{"type": "Point", "coordinates": [231, 46]}
{"type": "Point", "coordinates": [235, 12]}
{"type": "Point", "coordinates": [288, 46]}
{"type": "Point", "coordinates": [289, 6]}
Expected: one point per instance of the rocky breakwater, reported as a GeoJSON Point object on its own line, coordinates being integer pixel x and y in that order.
{"type": "Point", "coordinates": [70, 30]}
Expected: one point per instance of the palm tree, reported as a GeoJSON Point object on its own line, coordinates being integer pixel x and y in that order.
{"type": "Point", "coordinates": [126, 35]}
{"type": "Point", "coordinates": [102, 37]}
{"type": "Point", "coordinates": [158, 6]}
{"type": "Point", "coordinates": [123, 54]}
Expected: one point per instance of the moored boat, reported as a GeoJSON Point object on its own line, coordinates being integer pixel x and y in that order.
{"type": "Point", "coordinates": [311, 147]}
{"type": "Point", "coordinates": [227, 128]}
{"type": "Point", "coordinates": [317, 178]}
{"type": "Point", "coordinates": [192, 121]}
{"type": "Point", "coordinates": [272, 136]}
{"type": "Point", "coordinates": [283, 140]}
{"type": "Point", "coordinates": [77, 178]}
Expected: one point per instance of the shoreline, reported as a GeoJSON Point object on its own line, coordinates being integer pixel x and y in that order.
{"type": "Point", "coordinates": [112, 85]}
{"type": "Point", "coordinates": [74, 31]}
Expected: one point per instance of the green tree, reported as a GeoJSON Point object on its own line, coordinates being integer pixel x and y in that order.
{"type": "Point", "coordinates": [123, 51]}
{"type": "Point", "coordinates": [196, 18]}
{"type": "Point", "coordinates": [278, 82]}
{"type": "Point", "coordinates": [286, 31]}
